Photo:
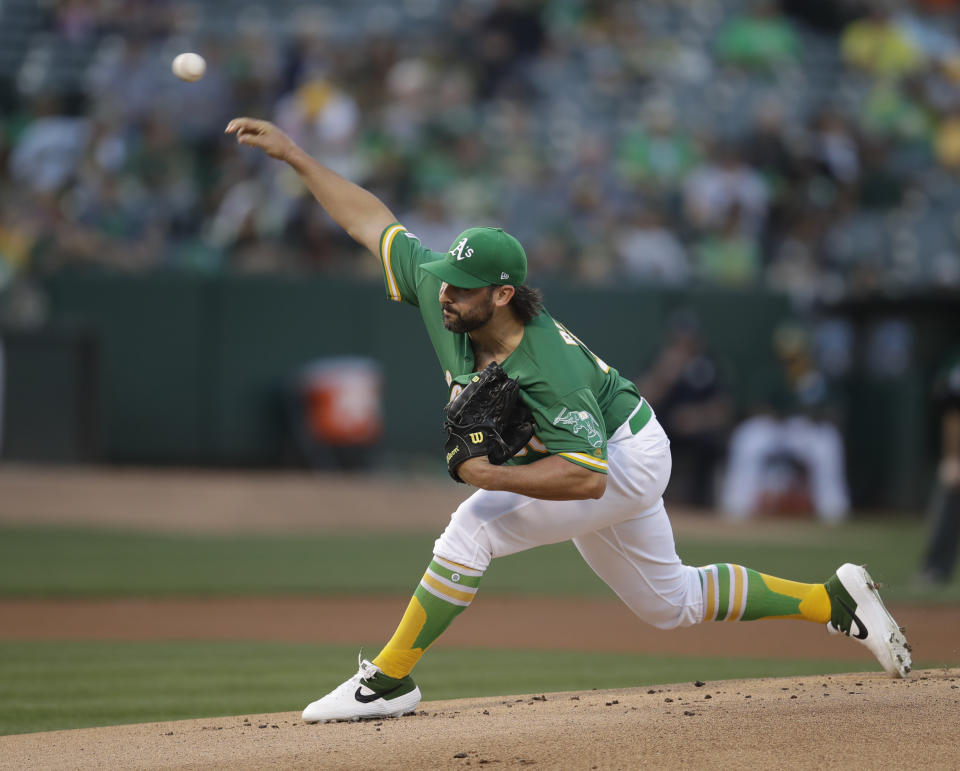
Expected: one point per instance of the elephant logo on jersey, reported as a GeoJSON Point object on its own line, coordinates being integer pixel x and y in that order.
{"type": "Point", "coordinates": [580, 421]}
{"type": "Point", "coordinates": [460, 251]}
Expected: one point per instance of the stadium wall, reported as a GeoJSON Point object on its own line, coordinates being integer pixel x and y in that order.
{"type": "Point", "coordinates": [192, 369]}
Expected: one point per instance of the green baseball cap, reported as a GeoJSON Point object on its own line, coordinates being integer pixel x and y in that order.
{"type": "Point", "coordinates": [480, 257]}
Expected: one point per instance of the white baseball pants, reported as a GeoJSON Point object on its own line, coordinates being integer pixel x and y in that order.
{"type": "Point", "coordinates": [625, 536]}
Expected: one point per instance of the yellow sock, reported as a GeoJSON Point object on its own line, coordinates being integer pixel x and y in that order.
{"type": "Point", "coordinates": [399, 656]}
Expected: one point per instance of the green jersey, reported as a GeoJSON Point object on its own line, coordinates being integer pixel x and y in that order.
{"type": "Point", "coordinates": [577, 400]}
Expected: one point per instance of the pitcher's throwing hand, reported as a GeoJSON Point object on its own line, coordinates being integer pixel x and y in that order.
{"type": "Point", "coordinates": [262, 134]}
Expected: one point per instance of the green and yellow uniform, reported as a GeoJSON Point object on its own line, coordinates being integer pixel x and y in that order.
{"type": "Point", "coordinates": [578, 402]}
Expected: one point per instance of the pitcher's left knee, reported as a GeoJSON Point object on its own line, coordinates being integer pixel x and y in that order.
{"type": "Point", "coordinates": [670, 616]}
{"type": "Point", "coordinates": [464, 542]}
{"type": "Point", "coordinates": [678, 605]}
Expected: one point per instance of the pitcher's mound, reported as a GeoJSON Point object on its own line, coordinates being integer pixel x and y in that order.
{"type": "Point", "coordinates": [862, 720]}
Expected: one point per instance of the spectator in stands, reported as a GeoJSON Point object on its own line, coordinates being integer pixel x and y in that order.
{"type": "Point", "coordinates": [432, 220]}
{"type": "Point", "coordinates": [932, 32]}
{"type": "Point", "coordinates": [770, 145]}
{"type": "Point", "coordinates": [878, 45]}
{"type": "Point", "coordinates": [774, 148]}
{"type": "Point", "coordinates": [834, 149]}
{"type": "Point", "coordinates": [891, 111]}
{"type": "Point", "coordinates": [793, 267]}
{"type": "Point", "coordinates": [728, 254]}
{"type": "Point", "coordinates": [27, 224]}
{"type": "Point", "coordinates": [129, 80]}
{"type": "Point", "coordinates": [405, 115]}
{"type": "Point", "coordinates": [510, 37]}
{"type": "Point", "coordinates": [50, 150]}
{"type": "Point", "coordinates": [760, 39]}
{"type": "Point", "coordinates": [834, 156]}
{"type": "Point", "coordinates": [255, 66]}
{"type": "Point", "coordinates": [721, 185]}
{"type": "Point", "coordinates": [938, 88]}
{"type": "Point", "coordinates": [591, 224]}
{"type": "Point", "coordinates": [656, 154]}
{"type": "Point", "coordinates": [946, 141]}
{"type": "Point", "coordinates": [323, 119]}
{"type": "Point", "coordinates": [649, 251]}
{"type": "Point", "coordinates": [20, 231]}
{"type": "Point", "coordinates": [77, 20]}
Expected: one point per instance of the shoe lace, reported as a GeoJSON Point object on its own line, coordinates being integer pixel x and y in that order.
{"type": "Point", "coordinates": [365, 670]}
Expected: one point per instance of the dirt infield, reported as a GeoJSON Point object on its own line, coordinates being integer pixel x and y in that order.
{"type": "Point", "coordinates": [184, 501]}
{"type": "Point", "coordinates": [855, 721]}
{"type": "Point", "coordinates": [860, 720]}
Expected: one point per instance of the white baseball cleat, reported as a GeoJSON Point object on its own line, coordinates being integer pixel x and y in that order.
{"type": "Point", "coordinates": [368, 694]}
{"type": "Point", "coordinates": [858, 612]}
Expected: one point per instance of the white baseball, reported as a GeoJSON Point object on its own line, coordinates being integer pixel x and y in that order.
{"type": "Point", "coordinates": [189, 67]}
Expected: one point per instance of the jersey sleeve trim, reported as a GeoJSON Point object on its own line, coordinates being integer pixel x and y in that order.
{"type": "Point", "coordinates": [386, 242]}
{"type": "Point", "coordinates": [588, 461]}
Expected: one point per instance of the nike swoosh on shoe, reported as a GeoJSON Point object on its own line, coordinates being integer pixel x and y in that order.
{"type": "Point", "coordinates": [862, 632]}
{"type": "Point", "coordinates": [366, 698]}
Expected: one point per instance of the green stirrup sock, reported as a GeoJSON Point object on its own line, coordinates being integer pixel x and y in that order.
{"type": "Point", "coordinates": [445, 591]}
{"type": "Point", "coordinates": [736, 593]}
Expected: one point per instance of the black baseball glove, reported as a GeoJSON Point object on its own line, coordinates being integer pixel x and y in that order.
{"type": "Point", "coordinates": [486, 418]}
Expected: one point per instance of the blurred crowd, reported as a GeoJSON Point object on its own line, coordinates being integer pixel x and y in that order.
{"type": "Point", "coordinates": [807, 147]}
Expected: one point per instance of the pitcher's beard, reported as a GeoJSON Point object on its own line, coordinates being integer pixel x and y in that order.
{"type": "Point", "coordinates": [458, 324]}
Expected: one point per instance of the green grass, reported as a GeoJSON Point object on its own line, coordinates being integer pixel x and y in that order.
{"type": "Point", "coordinates": [53, 685]}
{"type": "Point", "coordinates": [90, 562]}
{"type": "Point", "coordinates": [50, 685]}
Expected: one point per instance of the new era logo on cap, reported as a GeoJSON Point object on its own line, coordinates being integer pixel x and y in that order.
{"type": "Point", "coordinates": [504, 276]}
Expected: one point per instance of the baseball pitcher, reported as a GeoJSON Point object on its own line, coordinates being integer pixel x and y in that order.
{"type": "Point", "coordinates": [559, 446]}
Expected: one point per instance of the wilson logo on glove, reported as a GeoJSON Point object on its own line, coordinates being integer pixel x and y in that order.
{"type": "Point", "coordinates": [486, 418]}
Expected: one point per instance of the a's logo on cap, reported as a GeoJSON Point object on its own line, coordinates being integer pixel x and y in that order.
{"type": "Point", "coordinates": [459, 250]}
{"type": "Point", "coordinates": [504, 276]}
